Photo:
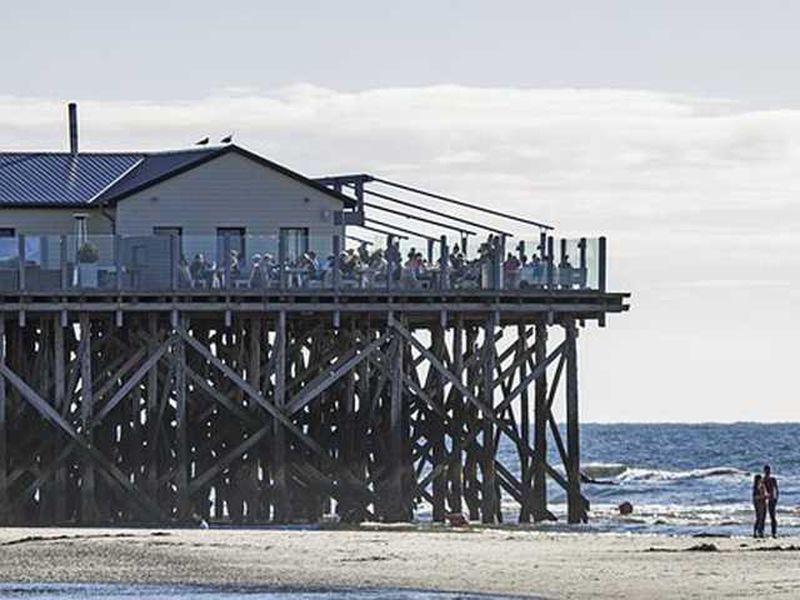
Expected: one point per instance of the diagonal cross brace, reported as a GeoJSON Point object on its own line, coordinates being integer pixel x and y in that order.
{"type": "Point", "coordinates": [486, 411]}
{"type": "Point", "coordinates": [52, 415]}
{"type": "Point", "coordinates": [132, 381]}
{"type": "Point", "coordinates": [321, 383]}
{"type": "Point", "coordinates": [274, 411]}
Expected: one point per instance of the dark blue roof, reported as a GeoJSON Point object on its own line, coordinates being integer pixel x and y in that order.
{"type": "Point", "coordinates": [59, 179]}
{"type": "Point", "coordinates": [32, 179]}
{"type": "Point", "coordinates": [156, 167]}
{"type": "Point", "coordinates": [63, 179]}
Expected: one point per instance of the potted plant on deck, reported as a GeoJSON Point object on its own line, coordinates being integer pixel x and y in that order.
{"type": "Point", "coordinates": [87, 256]}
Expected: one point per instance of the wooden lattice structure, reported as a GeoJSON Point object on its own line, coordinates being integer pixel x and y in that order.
{"type": "Point", "coordinates": [274, 409]}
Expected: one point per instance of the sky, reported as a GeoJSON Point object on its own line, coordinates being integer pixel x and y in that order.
{"type": "Point", "coordinates": [673, 128]}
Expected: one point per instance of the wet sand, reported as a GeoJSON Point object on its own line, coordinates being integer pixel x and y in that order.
{"type": "Point", "coordinates": [512, 561]}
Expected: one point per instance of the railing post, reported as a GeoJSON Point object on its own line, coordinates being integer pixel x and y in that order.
{"type": "Point", "coordinates": [501, 258]}
{"type": "Point", "coordinates": [337, 274]}
{"type": "Point", "coordinates": [390, 262]}
{"type": "Point", "coordinates": [281, 262]}
{"type": "Point", "coordinates": [495, 260]}
{"type": "Point", "coordinates": [21, 261]}
{"type": "Point", "coordinates": [444, 266]}
{"type": "Point", "coordinates": [542, 245]}
{"type": "Point", "coordinates": [582, 260]}
{"type": "Point", "coordinates": [117, 263]}
{"type": "Point", "coordinates": [601, 264]}
{"type": "Point", "coordinates": [173, 271]}
{"type": "Point", "coordinates": [63, 260]}
{"type": "Point", "coordinates": [550, 261]}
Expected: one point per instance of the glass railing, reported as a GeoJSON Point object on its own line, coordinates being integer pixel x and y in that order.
{"type": "Point", "coordinates": [164, 263]}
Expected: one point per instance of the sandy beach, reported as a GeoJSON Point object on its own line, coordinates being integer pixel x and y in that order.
{"type": "Point", "coordinates": [510, 561]}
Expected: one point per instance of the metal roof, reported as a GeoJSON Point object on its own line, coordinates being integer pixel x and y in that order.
{"type": "Point", "coordinates": [37, 179]}
{"type": "Point", "coordinates": [43, 178]}
{"type": "Point", "coordinates": [155, 167]}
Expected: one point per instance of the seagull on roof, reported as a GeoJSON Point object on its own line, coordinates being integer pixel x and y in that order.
{"type": "Point", "coordinates": [227, 139]}
{"type": "Point", "coordinates": [202, 142]}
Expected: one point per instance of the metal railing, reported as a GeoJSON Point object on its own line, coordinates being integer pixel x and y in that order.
{"type": "Point", "coordinates": [161, 263]}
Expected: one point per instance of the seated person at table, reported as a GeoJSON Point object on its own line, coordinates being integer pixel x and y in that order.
{"type": "Point", "coordinates": [565, 271]}
{"type": "Point", "coordinates": [363, 253]}
{"type": "Point", "coordinates": [511, 269]}
{"type": "Point", "coordinates": [197, 267]}
{"type": "Point", "coordinates": [184, 275]}
{"type": "Point", "coordinates": [257, 278]}
{"type": "Point", "coordinates": [235, 267]}
{"type": "Point", "coordinates": [312, 264]}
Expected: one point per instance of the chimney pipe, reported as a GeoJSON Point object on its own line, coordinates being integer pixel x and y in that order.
{"type": "Point", "coordinates": [72, 109]}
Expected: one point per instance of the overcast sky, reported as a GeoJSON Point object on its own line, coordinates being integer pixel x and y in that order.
{"type": "Point", "coordinates": [671, 127]}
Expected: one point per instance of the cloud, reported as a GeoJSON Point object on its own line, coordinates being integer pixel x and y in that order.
{"type": "Point", "coordinates": [570, 152]}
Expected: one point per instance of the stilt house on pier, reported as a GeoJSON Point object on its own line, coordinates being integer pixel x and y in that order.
{"type": "Point", "coordinates": [206, 334]}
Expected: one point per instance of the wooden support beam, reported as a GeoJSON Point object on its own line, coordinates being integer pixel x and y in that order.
{"type": "Point", "coordinates": [575, 506]}
{"type": "Point", "coordinates": [396, 509]}
{"type": "Point", "coordinates": [59, 397]}
{"type": "Point", "coordinates": [279, 449]}
{"type": "Point", "coordinates": [182, 424]}
{"type": "Point", "coordinates": [89, 513]}
{"type": "Point", "coordinates": [436, 431]}
{"type": "Point", "coordinates": [489, 499]}
{"type": "Point", "coordinates": [151, 424]}
{"type": "Point", "coordinates": [526, 469]}
{"type": "Point", "coordinates": [456, 409]}
{"type": "Point", "coordinates": [541, 412]}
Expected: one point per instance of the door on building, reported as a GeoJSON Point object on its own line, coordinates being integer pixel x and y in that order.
{"type": "Point", "coordinates": [295, 242]}
{"type": "Point", "coordinates": [229, 240]}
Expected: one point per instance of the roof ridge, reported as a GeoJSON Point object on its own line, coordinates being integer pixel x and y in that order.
{"type": "Point", "coordinates": [119, 178]}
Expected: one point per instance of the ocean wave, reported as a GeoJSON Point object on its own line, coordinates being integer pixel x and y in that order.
{"type": "Point", "coordinates": [603, 470]}
{"type": "Point", "coordinates": [637, 474]}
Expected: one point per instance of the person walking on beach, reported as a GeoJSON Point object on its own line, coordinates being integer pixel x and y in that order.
{"type": "Point", "coordinates": [760, 505]}
{"type": "Point", "coordinates": [771, 485]}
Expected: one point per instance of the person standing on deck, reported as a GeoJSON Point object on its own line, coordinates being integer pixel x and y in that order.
{"type": "Point", "coordinates": [771, 484]}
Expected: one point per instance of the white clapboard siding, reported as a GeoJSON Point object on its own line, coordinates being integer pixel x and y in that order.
{"type": "Point", "coordinates": [231, 191]}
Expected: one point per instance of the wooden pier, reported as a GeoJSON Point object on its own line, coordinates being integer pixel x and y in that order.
{"type": "Point", "coordinates": [264, 407]}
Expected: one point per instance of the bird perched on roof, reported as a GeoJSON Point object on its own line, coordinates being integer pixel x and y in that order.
{"type": "Point", "coordinates": [227, 139]}
{"type": "Point", "coordinates": [202, 142]}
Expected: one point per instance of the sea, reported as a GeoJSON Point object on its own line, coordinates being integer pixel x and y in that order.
{"type": "Point", "coordinates": [689, 479]}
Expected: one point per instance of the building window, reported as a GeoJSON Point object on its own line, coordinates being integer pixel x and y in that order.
{"type": "Point", "coordinates": [169, 232]}
{"type": "Point", "coordinates": [295, 242]}
{"type": "Point", "coordinates": [176, 231]}
{"type": "Point", "coordinates": [229, 240]}
{"type": "Point", "coordinates": [8, 244]}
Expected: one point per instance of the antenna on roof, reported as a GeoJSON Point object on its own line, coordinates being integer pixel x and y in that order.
{"type": "Point", "coordinates": [72, 111]}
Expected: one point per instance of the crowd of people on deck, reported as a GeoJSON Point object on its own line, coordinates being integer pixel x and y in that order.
{"type": "Point", "coordinates": [386, 267]}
